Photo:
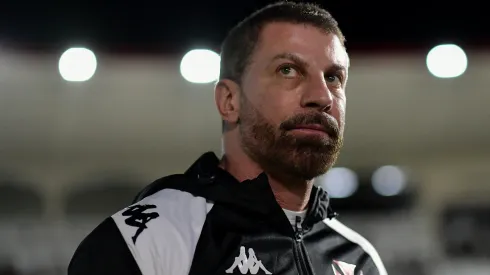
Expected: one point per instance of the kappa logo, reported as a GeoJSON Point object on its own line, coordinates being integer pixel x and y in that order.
{"type": "Point", "coordinates": [245, 265]}
{"type": "Point", "coordinates": [138, 218]}
{"type": "Point", "coordinates": [341, 268]}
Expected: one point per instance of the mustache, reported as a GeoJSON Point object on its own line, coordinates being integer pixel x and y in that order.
{"type": "Point", "coordinates": [329, 123]}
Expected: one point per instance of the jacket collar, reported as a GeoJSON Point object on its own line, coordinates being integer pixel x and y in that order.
{"type": "Point", "coordinates": [224, 188]}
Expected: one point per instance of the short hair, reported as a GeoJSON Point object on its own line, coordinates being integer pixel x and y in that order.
{"type": "Point", "coordinates": [241, 41]}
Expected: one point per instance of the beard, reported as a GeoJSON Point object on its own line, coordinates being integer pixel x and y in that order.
{"type": "Point", "coordinates": [283, 155]}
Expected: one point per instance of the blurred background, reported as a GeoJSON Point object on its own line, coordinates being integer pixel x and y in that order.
{"type": "Point", "coordinates": [99, 99]}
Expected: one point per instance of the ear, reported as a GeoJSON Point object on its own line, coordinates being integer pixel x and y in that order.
{"type": "Point", "coordinates": [227, 97]}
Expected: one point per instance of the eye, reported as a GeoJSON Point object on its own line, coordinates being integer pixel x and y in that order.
{"type": "Point", "coordinates": [288, 71]}
{"type": "Point", "coordinates": [334, 80]}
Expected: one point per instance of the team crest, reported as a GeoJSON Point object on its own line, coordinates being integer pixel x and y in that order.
{"type": "Point", "coordinates": [341, 268]}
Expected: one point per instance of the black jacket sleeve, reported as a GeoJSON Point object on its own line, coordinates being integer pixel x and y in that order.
{"type": "Point", "coordinates": [103, 252]}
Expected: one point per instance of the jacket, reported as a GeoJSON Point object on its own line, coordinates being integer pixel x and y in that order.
{"type": "Point", "coordinates": [206, 222]}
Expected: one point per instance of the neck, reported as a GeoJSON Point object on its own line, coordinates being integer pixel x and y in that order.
{"type": "Point", "coordinates": [290, 194]}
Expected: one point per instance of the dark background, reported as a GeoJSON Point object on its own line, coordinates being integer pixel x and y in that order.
{"type": "Point", "coordinates": [174, 27]}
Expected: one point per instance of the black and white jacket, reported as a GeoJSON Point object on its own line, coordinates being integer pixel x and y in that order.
{"type": "Point", "coordinates": [206, 222]}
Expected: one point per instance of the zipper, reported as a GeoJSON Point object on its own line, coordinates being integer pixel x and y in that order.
{"type": "Point", "coordinates": [298, 232]}
{"type": "Point", "coordinates": [300, 254]}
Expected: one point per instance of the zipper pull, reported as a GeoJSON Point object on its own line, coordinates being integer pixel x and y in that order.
{"type": "Point", "coordinates": [298, 234]}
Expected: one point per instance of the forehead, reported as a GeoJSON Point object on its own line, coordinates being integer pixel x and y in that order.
{"type": "Point", "coordinates": [309, 42]}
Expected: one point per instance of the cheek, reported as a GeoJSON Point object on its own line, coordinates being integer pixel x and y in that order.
{"type": "Point", "coordinates": [274, 109]}
{"type": "Point", "coordinates": [339, 111]}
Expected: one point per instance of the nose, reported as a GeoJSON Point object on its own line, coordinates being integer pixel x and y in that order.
{"type": "Point", "coordinates": [317, 95]}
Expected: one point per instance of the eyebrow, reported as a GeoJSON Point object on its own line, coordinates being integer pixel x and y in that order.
{"type": "Point", "coordinates": [337, 68]}
{"type": "Point", "coordinates": [292, 57]}
{"type": "Point", "coordinates": [300, 61]}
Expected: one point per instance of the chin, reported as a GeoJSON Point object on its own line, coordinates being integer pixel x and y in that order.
{"type": "Point", "coordinates": [309, 165]}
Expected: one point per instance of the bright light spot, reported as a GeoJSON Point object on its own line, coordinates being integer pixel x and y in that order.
{"type": "Point", "coordinates": [339, 182]}
{"type": "Point", "coordinates": [389, 180]}
{"type": "Point", "coordinates": [200, 66]}
{"type": "Point", "coordinates": [77, 64]}
{"type": "Point", "coordinates": [447, 61]}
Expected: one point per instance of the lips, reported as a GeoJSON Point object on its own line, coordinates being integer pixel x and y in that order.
{"type": "Point", "coordinates": [312, 124]}
{"type": "Point", "coordinates": [315, 127]}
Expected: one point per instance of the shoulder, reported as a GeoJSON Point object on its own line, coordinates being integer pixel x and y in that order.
{"type": "Point", "coordinates": [356, 238]}
{"type": "Point", "coordinates": [163, 228]}
{"type": "Point", "coordinates": [166, 213]}
{"type": "Point", "coordinates": [103, 252]}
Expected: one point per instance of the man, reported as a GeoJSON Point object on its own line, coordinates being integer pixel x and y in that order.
{"type": "Point", "coordinates": [281, 95]}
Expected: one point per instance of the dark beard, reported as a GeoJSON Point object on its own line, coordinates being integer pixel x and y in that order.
{"type": "Point", "coordinates": [283, 155]}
